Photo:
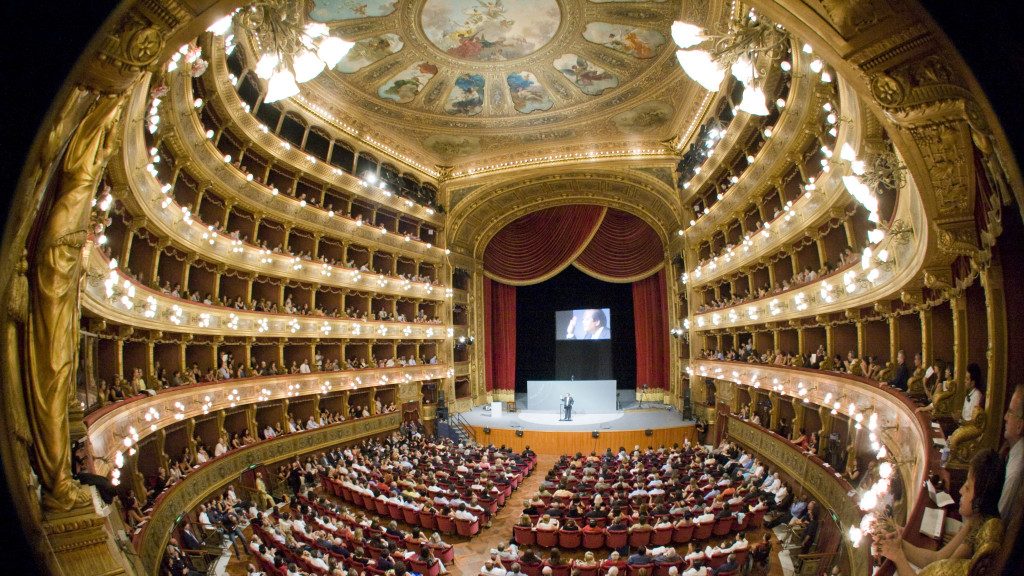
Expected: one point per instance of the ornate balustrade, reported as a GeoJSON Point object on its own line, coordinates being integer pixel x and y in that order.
{"type": "Point", "coordinates": [186, 138]}
{"type": "Point", "coordinates": [115, 296]}
{"type": "Point", "coordinates": [849, 288]}
{"type": "Point", "coordinates": [109, 426]}
{"type": "Point", "coordinates": [811, 210]}
{"type": "Point", "coordinates": [796, 123]}
{"type": "Point", "coordinates": [226, 101]}
{"type": "Point", "coordinates": [824, 484]}
{"type": "Point", "coordinates": [142, 194]}
{"type": "Point", "coordinates": [906, 435]}
{"type": "Point", "coordinates": [211, 477]}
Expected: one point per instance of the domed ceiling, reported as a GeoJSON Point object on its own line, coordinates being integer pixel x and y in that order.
{"type": "Point", "coordinates": [477, 82]}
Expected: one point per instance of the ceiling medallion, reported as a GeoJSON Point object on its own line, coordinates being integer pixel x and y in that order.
{"type": "Point", "coordinates": [490, 30]}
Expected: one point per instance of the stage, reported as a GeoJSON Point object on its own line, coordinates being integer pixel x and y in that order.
{"type": "Point", "coordinates": [546, 434]}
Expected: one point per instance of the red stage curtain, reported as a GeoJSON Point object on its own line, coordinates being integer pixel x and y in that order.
{"type": "Point", "coordinates": [624, 249]}
{"type": "Point", "coordinates": [500, 335]}
{"type": "Point", "coordinates": [540, 244]}
{"type": "Point", "coordinates": [650, 325]}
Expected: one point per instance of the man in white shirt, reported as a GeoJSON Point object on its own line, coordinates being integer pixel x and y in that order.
{"type": "Point", "coordinates": [304, 367]}
{"type": "Point", "coordinates": [1014, 436]}
{"type": "Point", "coordinates": [312, 424]}
{"type": "Point", "coordinates": [492, 569]}
{"type": "Point", "coordinates": [220, 448]}
{"type": "Point", "coordinates": [463, 514]}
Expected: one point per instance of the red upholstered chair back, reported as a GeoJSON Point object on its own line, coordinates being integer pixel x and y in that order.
{"type": "Point", "coordinates": [702, 531]}
{"type": "Point", "coordinates": [593, 540]}
{"type": "Point", "coordinates": [422, 568]}
{"type": "Point", "coordinates": [467, 528]}
{"type": "Point", "coordinates": [532, 569]}
{"type": "Point", "coordinates": [723, 525]}
{"type": "Point", "coordinates": [524, 535]}
{"type": "Point", "coordinates": [682, 534]}
{"type": "Point", "coordinates": [634, 569]}
{"type": "Point", "coordinates": [547, 538]}
{"type": "Point", "coordinates": [563, 570]}
{"type": "Point", "coordinates": [640, 537]}
{"type": "Point", "coordinates": [570, 540]}
{"type": "Point", "coordinates": [662, 567]}
{"type": "Point", "coordinates": [661, 536]}
{"type": "Point", "coordinates": [428, 520]}
{"type": "Point", "coordinates": [587, 571]}
{"type": "Point", "coordinates": [615, 538]}
{"type": "Point", "coordinates": [445, 524]}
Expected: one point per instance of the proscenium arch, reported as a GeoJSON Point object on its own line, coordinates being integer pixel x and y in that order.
{"type": "Point", "coordinates": [482, 215]}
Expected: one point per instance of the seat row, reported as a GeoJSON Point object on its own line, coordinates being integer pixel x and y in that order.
{"type": "Point", "coordinates": [641, 536]}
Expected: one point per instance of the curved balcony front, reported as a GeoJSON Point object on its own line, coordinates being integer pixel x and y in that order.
{"type": "Point", "coordinates": [895, 263]}
{"type": "Point", "coordinates": [145, 197]}
{"type": "Point", "coordinates": [810, 209]}
{"type": "Point", "coordinates": [790, 132]}
{"type": "Point", "coordinates": [110, 294]}
{"type": "Point", "coordinates": [186, 138]}
{"type": "Point", "coordinates": [110, 426]}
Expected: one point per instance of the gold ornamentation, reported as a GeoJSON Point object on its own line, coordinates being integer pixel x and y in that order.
{"type": "Point", "coordinates": [54, 315]}
{"type": "Point", "coordinates": [967, 438]}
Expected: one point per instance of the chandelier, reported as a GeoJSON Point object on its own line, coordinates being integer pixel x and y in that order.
{"type": "Point", "coordinates": [292, 50]}
{"type": "Point", "coordinates": [705, 57]}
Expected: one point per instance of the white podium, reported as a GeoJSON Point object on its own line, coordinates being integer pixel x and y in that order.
{"type": "Point", "coordinates": [495, 409]}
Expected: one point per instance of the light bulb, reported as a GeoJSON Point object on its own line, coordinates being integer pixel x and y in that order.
{"type": "Point", "coordinates": [686, 35]}
{"type": "Point", "coordinates": [699, 66]}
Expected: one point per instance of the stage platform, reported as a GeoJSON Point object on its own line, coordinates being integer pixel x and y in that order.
{"type": "Point", "coordinates": [544, 433]}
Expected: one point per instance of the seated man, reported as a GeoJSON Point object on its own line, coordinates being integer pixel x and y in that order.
{"type": "Point", "coordinates": [729, 566]}
{"type": "Point", "coordinates": [640, 557]}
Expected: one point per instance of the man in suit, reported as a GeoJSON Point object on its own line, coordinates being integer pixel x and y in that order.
{"type": "Point", "coordinates": [595, 326]}
{"type": "Point", "coordinates": [568, 407]}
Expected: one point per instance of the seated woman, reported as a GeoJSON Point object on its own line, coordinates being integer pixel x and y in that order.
{"type": "Point", "coordinates": [588, 561]}
{"type": "Point", "coordinates": [981, 534]}
{"type": "Point", "coordinates": [554, 559]}
{"type": "Point", "coordinates": [802, 440]}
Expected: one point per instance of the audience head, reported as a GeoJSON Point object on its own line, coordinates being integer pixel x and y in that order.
{"type": "Point", "coordinates": [980, 493]}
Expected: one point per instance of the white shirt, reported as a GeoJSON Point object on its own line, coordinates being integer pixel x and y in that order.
{"type": "Point", "coordinates": [219, 449]}
{"type": "Point", "coordinates": [971, 401]}
{"type": "Point", "coordinates": [1014, 465]}
{"type": "Point", "coordinates": [304, 368]}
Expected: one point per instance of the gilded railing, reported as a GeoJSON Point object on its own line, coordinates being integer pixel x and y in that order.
{"type": "Point", "coordinates": [905, 434]}
{"type": "Point", "coordinates": [108, 427]}
{"type": "Point", "coordinates": [112, 295]}
{"type": "Point", "coordinates": [202, 482]}
{"type": "Point", "coordinates": [142, 193]}
{"type": "Point", "coordinates": [811, 209]}
{"type": "Point", "coordinates": [824, 484]}
{"type": "Point", "coordinates": [226, 101]}
{"type": "Point", "coordinates": [791, 131]}
{"type": "Point", "coordinates": [894, 263]}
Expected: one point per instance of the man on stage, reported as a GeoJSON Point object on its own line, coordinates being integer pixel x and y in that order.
{"type": "Point", "coordinates": [568, 407]}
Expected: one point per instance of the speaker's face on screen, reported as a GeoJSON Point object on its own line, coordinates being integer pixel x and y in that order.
{"type": "Point", "coordinates": [590, 323]}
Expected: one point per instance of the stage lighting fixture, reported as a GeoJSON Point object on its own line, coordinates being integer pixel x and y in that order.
{"type": "Point", "coordinates": [648, 432]}
{"type": "Point", "coordinates": [519, 433]}
{"type": "Point", "coordinates": [487, 430]}
{"type": "Point", "coordinates": [595, 434]}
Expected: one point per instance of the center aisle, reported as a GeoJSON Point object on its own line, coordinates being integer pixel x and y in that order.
{"type": "Point", "coordinates": [471, 555]}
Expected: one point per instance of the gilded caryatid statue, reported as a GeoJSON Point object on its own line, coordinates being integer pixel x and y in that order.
{"type": "Point", "coordinates": [965, 440]}
{"type": "Point", "coordinates": [915, 384]}
{"type": "Point", "coordinates": [886, 373]}
{"type": "Point", "coordinates": [947, 398]}
{"type": "Point", "coordinates": [53, 326]}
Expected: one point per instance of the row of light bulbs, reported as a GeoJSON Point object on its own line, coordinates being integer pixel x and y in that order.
{"type": "Point", "coordinates": [152, 416]}
{"type": "Point", "coordinates": [120, 289]}
{"type": "Point", "coordinates": [215, 239]}
{"type": "Point", "coordinates": [872, 502]}
{"type": "Point", "coordinates": [787, 214]}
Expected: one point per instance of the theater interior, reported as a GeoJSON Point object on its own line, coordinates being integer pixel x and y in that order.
{"type": "Point", "coordinates": [513, 287]}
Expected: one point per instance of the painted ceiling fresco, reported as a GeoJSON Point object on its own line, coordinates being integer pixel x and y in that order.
{"type": "Point", "coordinates": [464, 80]}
